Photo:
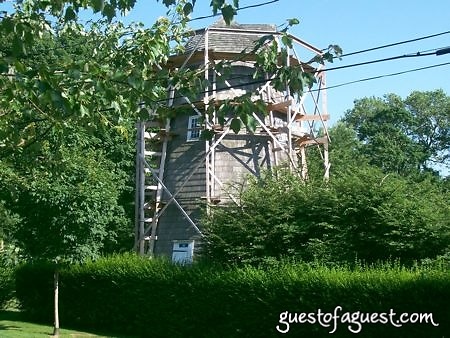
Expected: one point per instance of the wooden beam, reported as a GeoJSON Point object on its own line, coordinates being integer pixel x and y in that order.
{"type": "Point", "coordinates": [319, 140]}
{"type": "Point", "coordinates": [172, 199]}
{"type": "Point", "coordinates": [280, 106]}
{"type": "Point", "coordinates": [300, 117]}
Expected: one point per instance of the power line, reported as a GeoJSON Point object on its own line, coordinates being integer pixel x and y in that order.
{"type": "Point", "coordinates": [436, 49]}
{"type": "Point", "coordinates": [330, 87]}
{"type": "Point", "coordinates": [418, 54]}
{"type": "Point", "coordinates": [237, 9]}
{"type": "Point", "coordinates": [383, 76]}
{"type": "Point", "coordinates": [439, 51]}
{"type": "Point", "coordinates": [219, 14]}
{"type": "Point", "coordinates": [394, 44]}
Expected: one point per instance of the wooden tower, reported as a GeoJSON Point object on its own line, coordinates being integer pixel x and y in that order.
{"type": "Point", "coordinates": [177, 172]}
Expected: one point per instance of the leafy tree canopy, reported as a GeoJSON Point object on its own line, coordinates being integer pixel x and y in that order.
{"type": "Point", "coordinates": [404, 136]}
{"type": "Point", "coordinates": [123, 66]}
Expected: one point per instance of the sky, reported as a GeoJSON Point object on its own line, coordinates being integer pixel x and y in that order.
{"type": "Point", "coordinates": [353, 25]}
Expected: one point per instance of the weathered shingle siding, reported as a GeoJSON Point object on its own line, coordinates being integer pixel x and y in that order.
{"type": "Point", "coordinates": [237, 158]}
{"type": "Point", "coordinates": [182, 158]}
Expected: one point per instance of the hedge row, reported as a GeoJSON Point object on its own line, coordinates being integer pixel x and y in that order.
{"type": "Point", "coordinates": [6, 285]}
{"type": "Point", "coordinates": [154, 298]}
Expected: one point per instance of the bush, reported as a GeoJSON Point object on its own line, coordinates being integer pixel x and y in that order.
{"type": "Point", "coordinates": [156, 298]}
{"type": "Point", "coordinates": [6, 286]}
{"type": "Point", "coordinates": [34, 289]}
{"type": "Point", "coordinates": [360, 214]}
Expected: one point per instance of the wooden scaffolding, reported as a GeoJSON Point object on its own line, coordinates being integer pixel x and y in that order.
{"type": "Point", "coordinates": [290, 125]}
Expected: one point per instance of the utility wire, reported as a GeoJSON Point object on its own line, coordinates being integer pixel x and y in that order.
{"type": "Point", "coordinates": [237, 9]}
{"type": "Point", "coordinates": [436, 49]}
{"type": "Point", "coordinates": [393, 44]}
{"type": "Point", "coordinates": [418, 54]}
{"type": "Point", "coordinates": [382, 76]}
{"type": "Point", "coordinates": [219, 14]}
{"type": "Point", "coordinates": [312, 90]}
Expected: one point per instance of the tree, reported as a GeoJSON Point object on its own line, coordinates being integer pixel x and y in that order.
{"type": "Point", "coordinates": [431, 117]}
{"type": "Point", "coordinates": [80, 83]}
{"type": "Point", "coordinates": [70, 89]}
{"type": "Point", "coordinates": [8, 221]}
{"type": "Point", "coordinates": [403, 136]}
{"type": "Point", "coordinates": [68, 92]}
{"type": "Point", "coordinates": [50, 135]}
{"type": "Point", "coordinates": [66, 177]}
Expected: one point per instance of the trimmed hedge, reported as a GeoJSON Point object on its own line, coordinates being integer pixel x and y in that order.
{"type": "Point", "coordinates": [6, 286]}
{"type": "Point", "coordinates": [154, 298]}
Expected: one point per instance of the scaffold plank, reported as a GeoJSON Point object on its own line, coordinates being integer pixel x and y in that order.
{"type": "Point", "coordinates": [300, 117]}
{"type": "Point", "coordinates": [279, 106]}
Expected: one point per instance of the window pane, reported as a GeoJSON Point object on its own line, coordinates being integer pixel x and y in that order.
{"type": "Point", "coordinates": [193, 128]}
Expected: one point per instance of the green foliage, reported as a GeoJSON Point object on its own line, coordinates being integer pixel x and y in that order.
{"type": "Point", "coordinates": [95, 74]}
{"type": "Point", "coordinates": [91, 76]}
{"type": "Point", "coordinates": [66, 129]}
{"type": "Point", "coordinates": [431, 121]}
{"type": "Point", "coordinates": [159, 299]}
{"type": "Point", "coordinates": [6, 285]}
{"type": "Point", "coordinates": [34, 285]}
{"type": "Point", "coordinates": [11, 255]}
{"type": "Point", "coordinates": [360, 214]}
{"type": "Point", "coordinates": [67, 107]}
{"type": "Point", "coordinates": [403, 136]}
{"type": "Point", "coordinates": [69, 206]}
{"type": "Point", "coordinates": [228, 10]}
{"type": "Point", "coordinates": [8, 221]}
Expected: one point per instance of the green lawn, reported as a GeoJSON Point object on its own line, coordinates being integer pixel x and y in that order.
{"type": "Point", "coordinates": [13, 325]}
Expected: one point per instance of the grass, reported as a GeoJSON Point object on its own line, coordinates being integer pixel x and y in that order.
{"type": "Point", "coordinates": [13, 325]}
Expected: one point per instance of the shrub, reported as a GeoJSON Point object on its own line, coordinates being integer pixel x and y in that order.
{"type": "Point", "coordinates": [156, 298]}
{"type": "Point", "coordinates": [360, 214]}
{"type": "Point", "coordinates": [6, 285]}
{"type": "Point", "coordinates": [34, 289]}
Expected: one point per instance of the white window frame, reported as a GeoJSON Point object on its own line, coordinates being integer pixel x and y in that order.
{"type": "Point", "coordinates": [194, 128]}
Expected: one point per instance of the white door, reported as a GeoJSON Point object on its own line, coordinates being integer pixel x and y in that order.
{"type": "Point", "coordinates": [183, 252]}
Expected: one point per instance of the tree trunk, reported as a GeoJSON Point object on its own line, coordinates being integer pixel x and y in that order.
{"type": "Point", "coordinates": [56, 303]}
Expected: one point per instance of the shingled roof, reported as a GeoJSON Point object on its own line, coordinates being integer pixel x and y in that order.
{"type": "Point", "coordinates": [222, 41]}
